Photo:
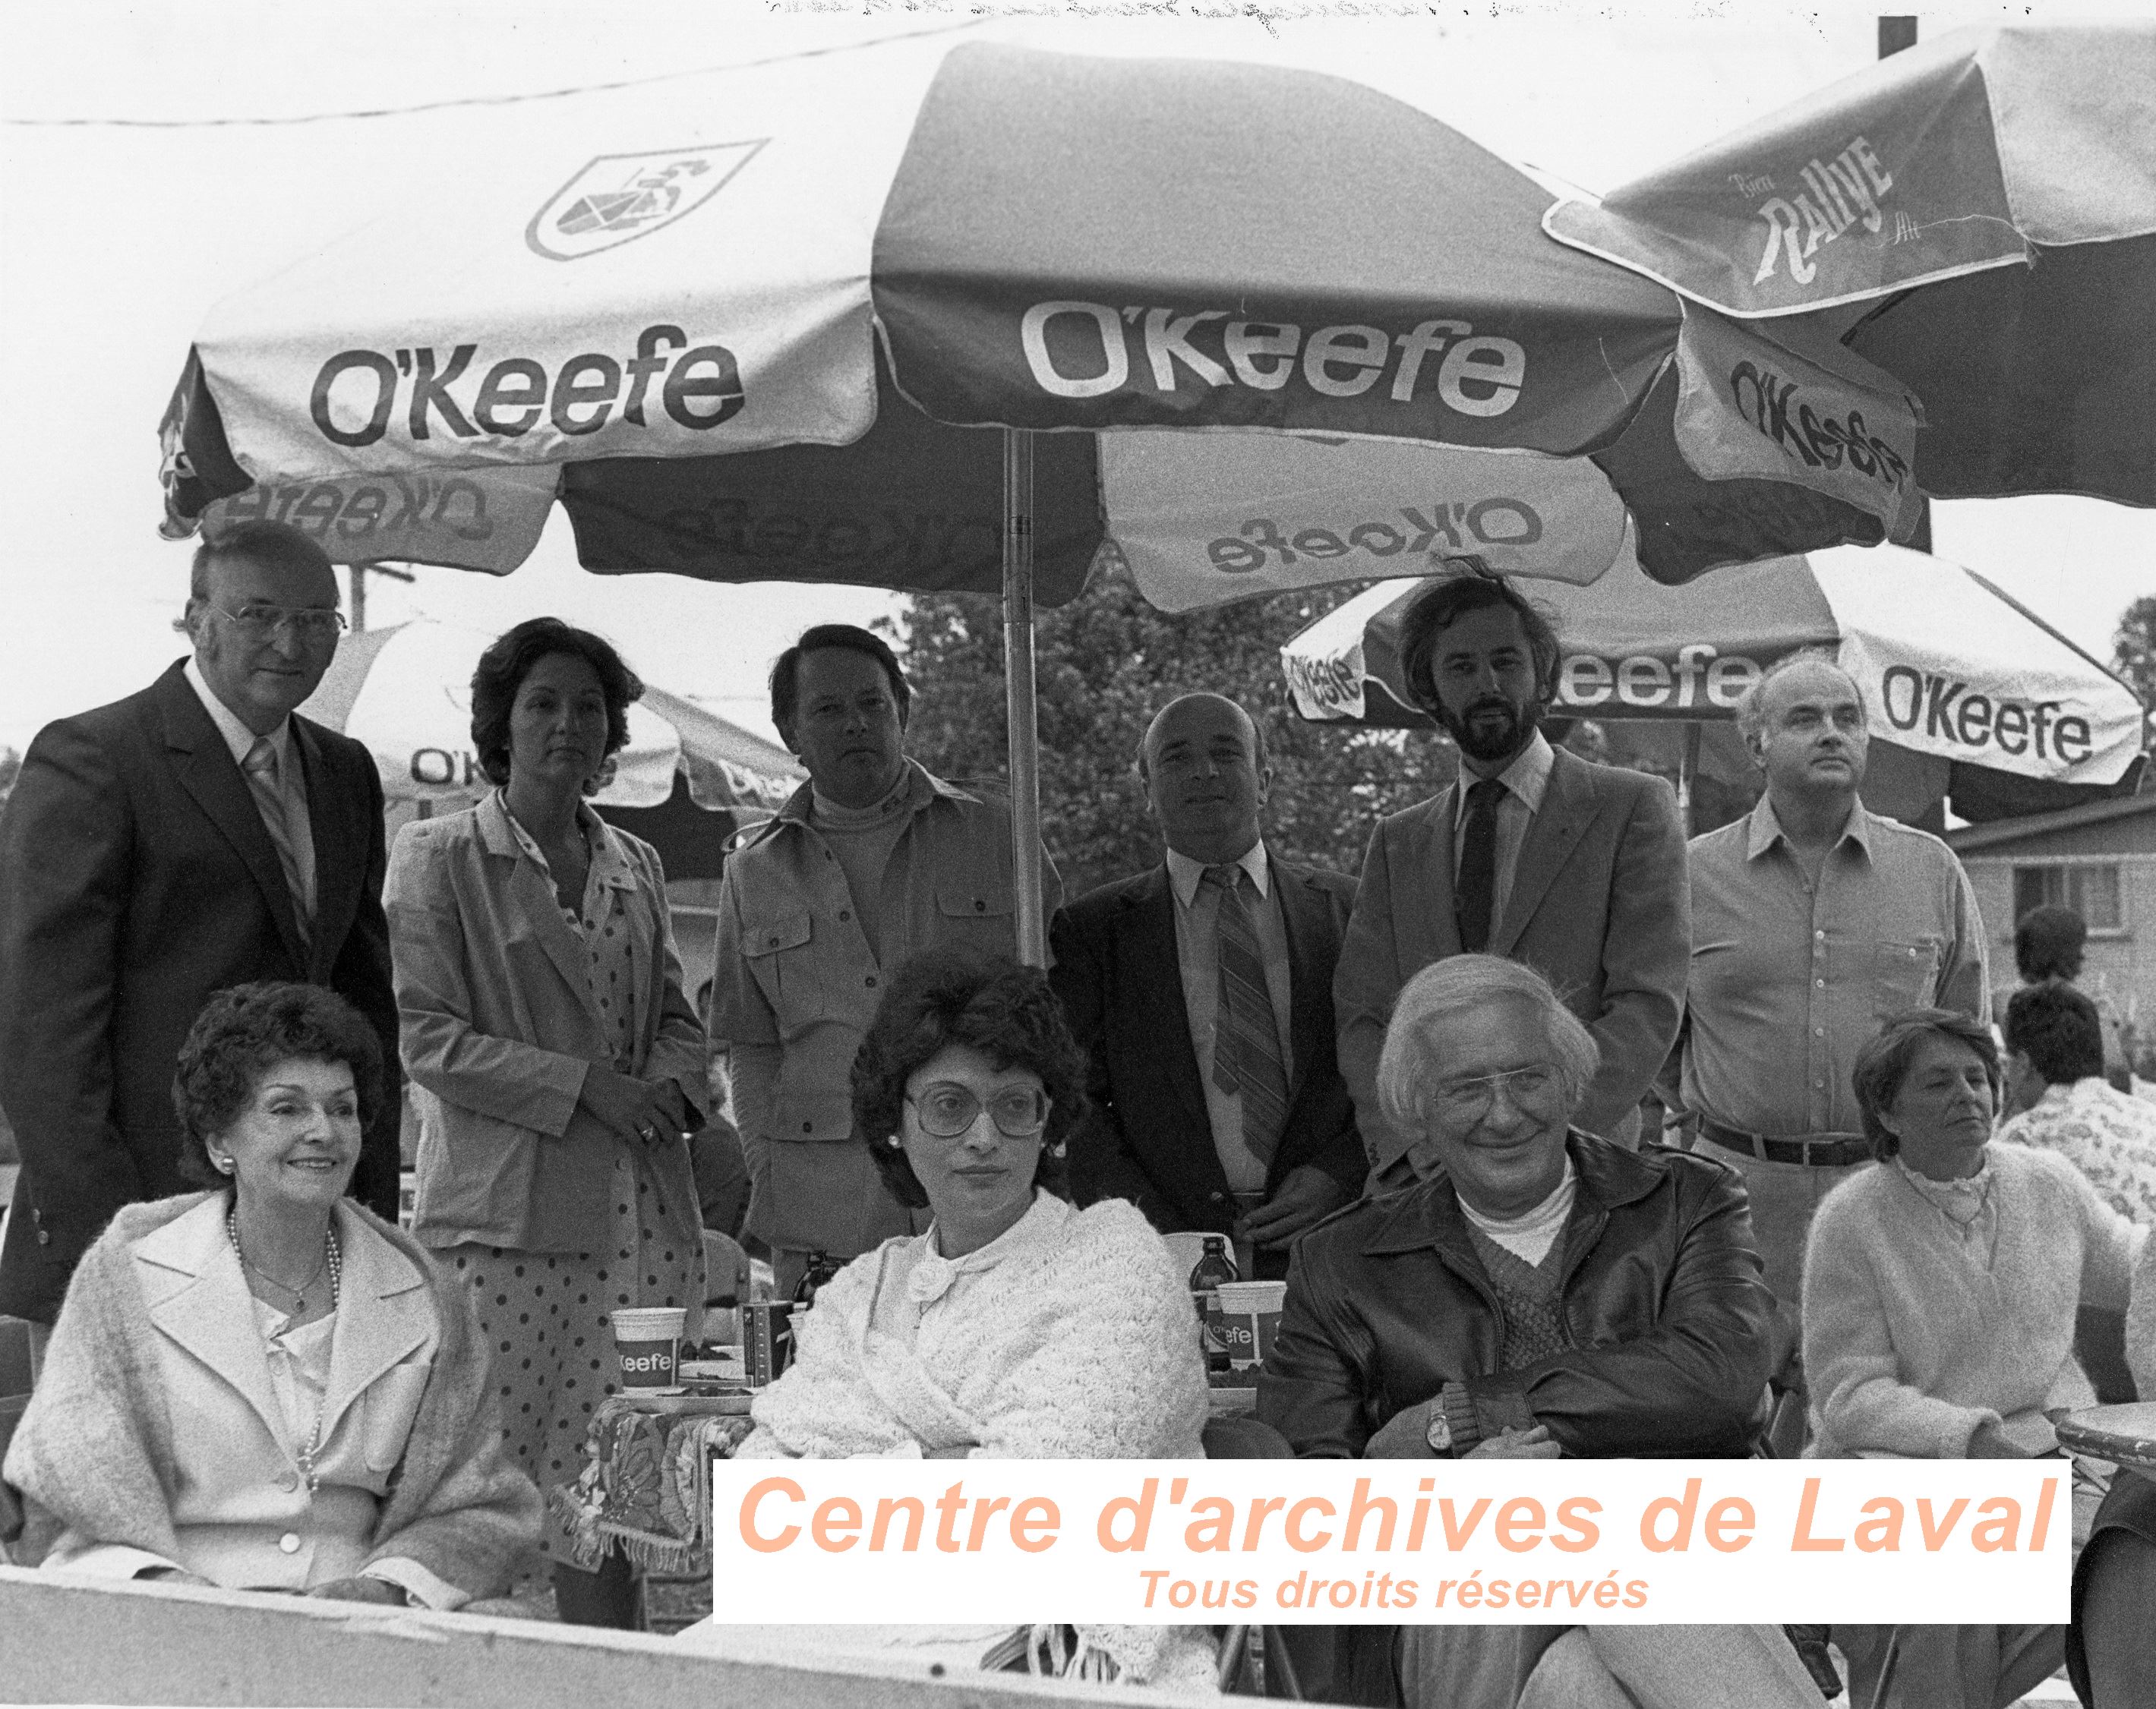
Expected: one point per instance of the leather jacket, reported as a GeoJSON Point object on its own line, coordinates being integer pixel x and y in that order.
{"type": "Point", "coordinates": [1388, 1301]}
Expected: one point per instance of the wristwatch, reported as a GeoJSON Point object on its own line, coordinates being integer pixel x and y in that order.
{"type": "Point", "coordinates": [1438, 1435]}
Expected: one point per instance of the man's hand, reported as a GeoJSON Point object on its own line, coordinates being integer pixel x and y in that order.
{"type": "Point", "coordinates": [1517, 1444]}
{"type": "Point", "coordinates": [1406, 1435]}
{"type": "Point", "coordinates": [1307, 1195]}
{"type": "Point", "coordinates": [379, 1590]}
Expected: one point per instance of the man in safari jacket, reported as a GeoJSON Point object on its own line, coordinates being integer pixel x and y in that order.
{"type": "Point", "coordinates": [871, 861]}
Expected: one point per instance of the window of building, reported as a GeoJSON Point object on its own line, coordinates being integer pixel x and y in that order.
{"type": "Point", "coordinates": [2091, 891]}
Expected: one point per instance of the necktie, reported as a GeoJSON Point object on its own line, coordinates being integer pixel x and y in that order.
{"type": "Point", "coordinates": [1246, 1047]}
{"type": "Point", "coordinates": [261, 767]}
{"type": "Point", "coordinates": [1476, 889]}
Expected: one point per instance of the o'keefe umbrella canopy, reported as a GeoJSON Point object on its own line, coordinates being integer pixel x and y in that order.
{"type": "Point", "coordinates": [1976, 216]}
{"type": "Point", "coordinates": [406, 692]}
{"type": "Point", "coordinates": [1948, 665]}
{"type": "Point", "coordinates": [664, 309]}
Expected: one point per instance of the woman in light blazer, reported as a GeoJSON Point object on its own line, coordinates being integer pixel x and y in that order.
{"type": "Point", "coordinates": [559, 1066]}
{"type": "Point", "coordinates": [263, 1387]}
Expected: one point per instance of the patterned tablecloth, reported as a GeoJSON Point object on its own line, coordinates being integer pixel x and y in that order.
{"type": "Point", "coordinates": [645, 1484]}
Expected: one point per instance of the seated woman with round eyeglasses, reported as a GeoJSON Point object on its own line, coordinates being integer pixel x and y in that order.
{"type": "Point", "coordinates": [1018, 1328]}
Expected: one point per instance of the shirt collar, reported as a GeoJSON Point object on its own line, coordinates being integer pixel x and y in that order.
{"type": "Point", "coordinates": [237, 735]}
{"type": "Point", "coordinates": [924, 787]}
{"type": "Point", "coordinates": [1186, 875]}
{"type": "Point", "coordinates": [1526, 778]}
{"type": "Point", "coordinates": [610, 864]}
{"type": "Point", "coordinates": [1766, 829]}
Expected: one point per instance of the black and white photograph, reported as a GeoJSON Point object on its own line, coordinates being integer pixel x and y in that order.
{"type": "Point", "coordinates": [1152, 731]}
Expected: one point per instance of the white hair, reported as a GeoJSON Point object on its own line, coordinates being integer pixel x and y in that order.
{"type": "Point", "coordinates": [1414, 1053]}
{"type": "Point", "coordinates": [1750, 710]}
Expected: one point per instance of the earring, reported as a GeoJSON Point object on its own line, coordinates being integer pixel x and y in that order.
{"type": "Point", "coordinates": [223, 1165]}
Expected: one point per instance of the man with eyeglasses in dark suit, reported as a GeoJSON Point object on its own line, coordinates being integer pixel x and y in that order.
{"type": "Point", "coordinates": [190, 836]}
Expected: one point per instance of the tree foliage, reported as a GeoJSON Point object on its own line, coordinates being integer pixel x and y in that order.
{"type": "Point", "coordinates": [2133, 656]}
{"type": "Point", "coordinates": [1105, 663]}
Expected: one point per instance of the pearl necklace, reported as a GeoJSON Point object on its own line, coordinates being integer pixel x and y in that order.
{"type": "Point", "coordinates": [333, 1261]}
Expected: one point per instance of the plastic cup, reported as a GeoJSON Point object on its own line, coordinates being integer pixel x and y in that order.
{"type": "Point", "coordinates": [1251, 1315]}
{"type": "Point", "coordinates": [646, 1342]}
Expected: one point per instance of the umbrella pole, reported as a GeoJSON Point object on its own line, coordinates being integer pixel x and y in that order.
{"type": "Point", "coordinates": [1019, 695]}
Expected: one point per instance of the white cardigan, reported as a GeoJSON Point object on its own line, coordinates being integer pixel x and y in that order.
{"type": "Point", "coordinates": [1911, 1342]}
{"type": "Point", "coordinates": [1070, 1337]}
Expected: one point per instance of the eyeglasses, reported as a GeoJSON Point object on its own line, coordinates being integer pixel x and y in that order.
{"type": "Point", "coordinates": [948, 1110]}
{"type": "Point", "coordinates": [259, 622]}
{"type": "Point", "coordinates": [1472, 1098]}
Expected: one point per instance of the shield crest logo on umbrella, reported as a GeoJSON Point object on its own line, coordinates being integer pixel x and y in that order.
{"type": "Point", "coordinates": [616, 198]}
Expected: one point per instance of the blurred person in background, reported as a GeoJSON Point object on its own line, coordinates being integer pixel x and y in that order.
{"type": "Point", "coordinates": [560, 1068]}
{"type": "Point", "coordinates": [197, 835]}
{"type": "Point", "coordinates": [2049, 946]}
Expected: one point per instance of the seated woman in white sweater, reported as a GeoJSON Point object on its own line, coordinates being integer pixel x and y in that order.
{"type": "Point", "coordinates": [1941, 1285]}
{"type": "Point", "coordinates": [1940, 1291]}
{"type": "Point", "coordinates": [1018, 1328]}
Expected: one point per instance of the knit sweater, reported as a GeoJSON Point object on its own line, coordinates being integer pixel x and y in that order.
{"type": "Point", "coordinates": [1911, 1342]}
{"type": "Point", "coordinates": [1070, 1337]}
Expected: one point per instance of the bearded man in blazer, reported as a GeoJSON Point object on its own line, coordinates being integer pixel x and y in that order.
{"type": "Point", "coordinates": [141, 868]}
{"type": "Point", "coordinates": [1218, 1106]}
{"type": "Point", "coordinates": [1576, 869]}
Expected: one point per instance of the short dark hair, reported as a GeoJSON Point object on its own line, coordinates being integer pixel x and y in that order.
{"type": "Point", "coordinates": [504, 664]}
{"type": "Point", "coordinates": [786, 668]}
{"type": "Point", "coordinates": [989, 1003]}
{"type": "Point", "coordinates": [260, 542]}
{"type": "Point", "coordinates": [2048, 942]}
{"type": "Point", "coordinates": [2058, 1029]}
{"type": "Point", "coordinates": [241, 1034]}
{"type": "Point", "coordinates": [1437, 608]}
{"type": "Point", "coordinates": [1883, 1064]}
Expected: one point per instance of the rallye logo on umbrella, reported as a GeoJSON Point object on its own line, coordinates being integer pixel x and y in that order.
{"type": "Point", "coordinates": [616, 198]}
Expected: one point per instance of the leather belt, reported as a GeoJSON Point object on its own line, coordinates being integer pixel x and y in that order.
{"type": "Point", "coordinates": [1812, 1150]}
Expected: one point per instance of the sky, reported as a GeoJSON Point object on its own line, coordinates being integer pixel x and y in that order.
{"type": "Point", "coordinates": [115, 240]}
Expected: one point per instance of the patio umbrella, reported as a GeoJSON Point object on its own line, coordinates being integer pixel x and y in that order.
{"type": "Point", "coordinates": [839, 319]}
{"type": "Point", "coordinates": [1948, 665]}
{"type": "Point", "coordinates": [1976, 216]}
{"type": "Point", "coordinates": [406, 692]}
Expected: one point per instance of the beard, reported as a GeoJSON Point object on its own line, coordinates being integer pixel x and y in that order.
{"type": "Point", "coordinates": [1495, 739]}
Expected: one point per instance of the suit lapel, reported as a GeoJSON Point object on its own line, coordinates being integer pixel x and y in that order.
{"type": "Point", "coordinates": [1148, 952]}
{"type": "Point", "coordinates": [205, 770]}
{"type": "Point", "coordinates": [1305, 914]}
{"type": "Point", "coordinates": [537, 902]}
{"type": "Point", "coordinates": [197, 1297]}
{"type": "Point", "coordinates": [338, 839]}
{"type": "Point", "coordinates": [1432, 863]}
{"type": "Point", "coordinates": [1568, 809]}
{"type": "Point", "coordinates": [385, 1313]}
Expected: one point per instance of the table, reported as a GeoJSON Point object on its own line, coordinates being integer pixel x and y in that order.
{"type": "Point", "coordinates": [645, 1483]}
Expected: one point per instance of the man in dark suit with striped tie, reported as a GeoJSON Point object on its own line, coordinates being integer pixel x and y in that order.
{"type": "Point", "coordinates": [1203, 992]}
{"type": "Point", "coordinates": [193, 836]}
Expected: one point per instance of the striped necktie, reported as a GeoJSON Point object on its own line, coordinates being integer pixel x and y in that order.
{"type": "Point", "coordinates": [1246, 1047]}
{"type": "Point", "coordinates": [261, 767]}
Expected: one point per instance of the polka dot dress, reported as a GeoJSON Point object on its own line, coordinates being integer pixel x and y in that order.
{"type": "Point", "coordinates": [548, 1316]}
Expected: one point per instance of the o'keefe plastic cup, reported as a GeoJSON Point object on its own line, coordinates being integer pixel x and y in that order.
{"type": "Point", "coordinates": [646, 1341]}
{"type": "Point", "coordinates": [1251, 1311]}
